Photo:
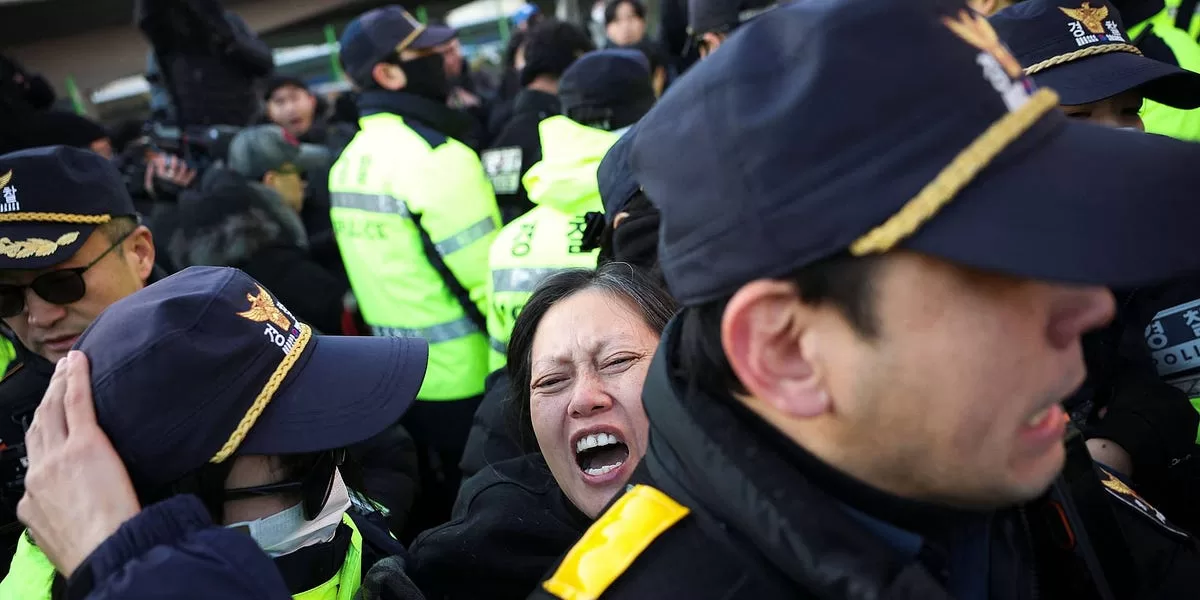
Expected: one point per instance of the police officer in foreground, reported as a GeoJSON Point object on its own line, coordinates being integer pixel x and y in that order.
{"type": "Point", "coordinates": [255, 427]}
{"type": "Point", "coordinates": [414, 216]}
{"type": "Point", "coordinates": [71, 244]}
{"type": "Point", "coordinates": [861, 396]}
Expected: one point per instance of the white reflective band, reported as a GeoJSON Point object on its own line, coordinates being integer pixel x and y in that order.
{"type": "Point", "coordinates": [497, 345]}
{"type": "Point", "coordinates": [378, 203]}
{"type": "Point", "coordinates": [466, 237]}
{"type": "Point", "coordinates": [520, 279]}
{"type": "Point", "coordinates": [442, 332]}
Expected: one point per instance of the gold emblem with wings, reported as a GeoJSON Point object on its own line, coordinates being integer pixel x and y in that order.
{"type": "Point", "coordinates": [1092, 18]}
{"type": "Point", "coordinates": [263, 309]}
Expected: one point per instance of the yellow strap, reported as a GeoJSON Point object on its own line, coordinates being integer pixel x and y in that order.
{"type": "Point", "coordinates": [1054, 61]}
{"type": "Point", "coordinates": [613, 542]}
{"type": "Point", "coordinates": [264, 397]}
{"type": "Point", "coordinates": [955, 176]}
{"type": "Point", "coordinates": [53, 217]}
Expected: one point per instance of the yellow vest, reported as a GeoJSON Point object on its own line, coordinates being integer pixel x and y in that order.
{"type": "Point", "coordinates": [389, 175]}
{"type": "Point", "coordinates": [1158, 118]}
{"type": "Point", "coordinates": [31, 574]}
{"type": "Point", "coordinates": [546, 239]}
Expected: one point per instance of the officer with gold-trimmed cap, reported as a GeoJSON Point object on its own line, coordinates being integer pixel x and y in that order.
{"type": "Point", "coordinates": [70, 245]}
{"type": "Point", "coordinates": [861, 396]}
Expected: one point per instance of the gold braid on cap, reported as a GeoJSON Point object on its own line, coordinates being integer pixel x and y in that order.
{"type": "Point", "coordinates": [955, 176]}
{"type": "Point", "coordinates": [264, 396]}
{"type": "Point", "coordinates": [53, 217]}
{"type": "Point", "coordinates": [1054, 61]}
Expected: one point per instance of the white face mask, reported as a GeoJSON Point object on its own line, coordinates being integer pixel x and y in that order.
{"type": "Point", "coordinates": [287, 531]}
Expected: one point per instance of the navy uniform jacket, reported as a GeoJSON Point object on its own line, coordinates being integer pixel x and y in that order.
{"type": "Point", "coordinates": [724, 507]}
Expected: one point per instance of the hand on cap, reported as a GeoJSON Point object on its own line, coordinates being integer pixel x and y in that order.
{"type": "Point", "coordinates": [77, 492]}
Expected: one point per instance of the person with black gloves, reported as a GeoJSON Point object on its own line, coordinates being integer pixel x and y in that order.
{"type": "Point", "coordinates": [550, 47]}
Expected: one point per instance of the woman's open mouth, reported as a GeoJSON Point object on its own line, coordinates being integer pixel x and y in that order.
{"type": "Point", "coordinates": [599, 454]}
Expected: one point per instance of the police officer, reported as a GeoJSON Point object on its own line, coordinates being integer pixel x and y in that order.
{"type": "Point", "coordinates": [414, 216]}
{"type": "Point", "coordinates": [711, 21]}
{"type": "Point", "coordinates": [864, 384]}
{"type": "Point", "coordinates": [602, 94]}
{"type": "Point", "coordinates": [1167, 36]}
{"type": "Point", "coordinates": [550, 47]}
{"type": "Point", "coordinates": [256, 423]}
{"type": "Point", "coordinates": [1083, 52]}
{"type": "Point", "coordinates": [70, 245]}
{"type": "Point", "coordinates": [1148, 428]}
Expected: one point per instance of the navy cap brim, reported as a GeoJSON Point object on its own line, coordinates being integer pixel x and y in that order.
{"type": "Point", "coordinates": [435, 35]}
{"type": "Point", "coordinates": [1074, 202]}
{"type": "Point", "coordinates": [347, 390]}
{"type": "Point", "coordinates": [1103, 76]}
{"type": "Point", "coordinates": [37, 245]}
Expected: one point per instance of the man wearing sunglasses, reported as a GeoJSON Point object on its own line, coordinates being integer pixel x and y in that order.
{"type": "Point", "coordinates": [70, 245]}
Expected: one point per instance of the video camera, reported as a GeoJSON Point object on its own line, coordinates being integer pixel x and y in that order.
{"type": "Point", "coordinates": [199, 147]}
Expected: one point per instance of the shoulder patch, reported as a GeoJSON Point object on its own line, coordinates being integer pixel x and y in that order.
{"type": "Point", "coordinates": [503, 168]}
{"type": "Point", "coordinates": [1125, 494]}
{"type": "Point", "coordinates": [613, 542]}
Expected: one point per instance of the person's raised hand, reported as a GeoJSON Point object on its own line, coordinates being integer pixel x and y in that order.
{"type": "Point", "coordinates": [77, 492]}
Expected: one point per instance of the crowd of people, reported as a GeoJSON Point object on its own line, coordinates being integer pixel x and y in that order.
{"type": "Point", "coordinates": [876, 299]}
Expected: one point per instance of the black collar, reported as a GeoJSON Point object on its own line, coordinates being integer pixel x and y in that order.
{"type": "Point", "coordinates": [769, 491]}
{"type": "Point", "coordinates": [536, 101]}
{"type": "Point", "coordinates": [314, 565]}
{"type": "Point", "coordinates": [438, 116]}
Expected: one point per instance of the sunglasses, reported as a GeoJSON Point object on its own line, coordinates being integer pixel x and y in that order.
{"type": "Point", "coordinates": [314, 489]}
{"type": "Point", "coordinates": [60, 287]}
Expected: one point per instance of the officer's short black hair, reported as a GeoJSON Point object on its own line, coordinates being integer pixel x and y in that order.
{"type": "Point", "coordinates": [118, 228]}
{"type": "Point", "coordinates": [551, 46]}
{"type": "Point", "coordinates": [610, 9]}
{"type": "Point", "coordinates": [843, 282]}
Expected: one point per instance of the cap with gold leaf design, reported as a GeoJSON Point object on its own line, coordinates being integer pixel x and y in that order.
{"type": "Point", "coordinates": [1081, 50]}
{"type": "Point", "coordinates": [51, 199]}
{"type": "Point", "coordinates": [207, 364]}
{"type": "Point", "coordinates": [831, 140]}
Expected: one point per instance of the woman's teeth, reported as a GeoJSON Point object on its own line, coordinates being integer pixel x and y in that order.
{"type": "Point", "coordinates": [597, 471]}
{"type": "Point", "coordinates": [595, 440]}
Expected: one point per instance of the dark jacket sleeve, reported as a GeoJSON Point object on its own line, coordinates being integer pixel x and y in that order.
{"type": "Point", "coordinates": [491, 439]}
{"type": "Point", "coordinates": [173, 550]}
{"type": "Point", "coordinates": [253, 54]}
{"type": "Point", "coordinates": [390, 472]}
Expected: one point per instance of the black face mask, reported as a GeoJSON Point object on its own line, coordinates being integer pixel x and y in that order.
{"type": "Point", "coordinates": [427, 77]}
{"type": "Point", "coordinates": [635, 240]}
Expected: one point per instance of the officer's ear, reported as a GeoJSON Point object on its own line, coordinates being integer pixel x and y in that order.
{"type": "Point", "coordinates": [772, 342]}
{"type": "Point", "coordinates": [389, 76]}
{"type": "Point", "coordinates": [709, 43]}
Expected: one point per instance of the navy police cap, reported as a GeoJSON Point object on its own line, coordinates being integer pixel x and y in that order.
{"type": "Point", "coordinates": [378, 33]}
{"type": "Point", "coordinates": [207, 364]}
{"type": "Point", "coordinates": [1082, 51]}
{"type": "Point", "coordinates": [51, 199]}
{"type": "Point", "coordinates": [827, 127]}
{"type": "Point", "coordinates": [606, 79]}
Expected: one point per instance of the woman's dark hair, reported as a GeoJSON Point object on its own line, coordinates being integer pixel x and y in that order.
{"type": "Point", "coordinates": [610, 9]}
{"type": "Point", "coordinates": [843, 282]}
{"type": "Point", "coordinates": [651, 302]}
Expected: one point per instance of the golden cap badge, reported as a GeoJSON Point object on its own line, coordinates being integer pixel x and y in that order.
{"type": "Point", "coordinates": [1092, 18]}
{"type": "Point", "coordinates": [263, 309]}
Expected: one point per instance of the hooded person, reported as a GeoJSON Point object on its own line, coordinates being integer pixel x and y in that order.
{"type": "Point", "coordinates": [602, 94]}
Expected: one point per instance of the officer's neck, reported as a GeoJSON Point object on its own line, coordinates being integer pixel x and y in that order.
{"type": "Point", "coordinates": [543, 83]}
{"type": "Point", "coordinates": [878, 497]}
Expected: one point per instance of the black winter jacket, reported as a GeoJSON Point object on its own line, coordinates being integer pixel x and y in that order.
{"type": "Point", "coordinates": [516, 148]}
